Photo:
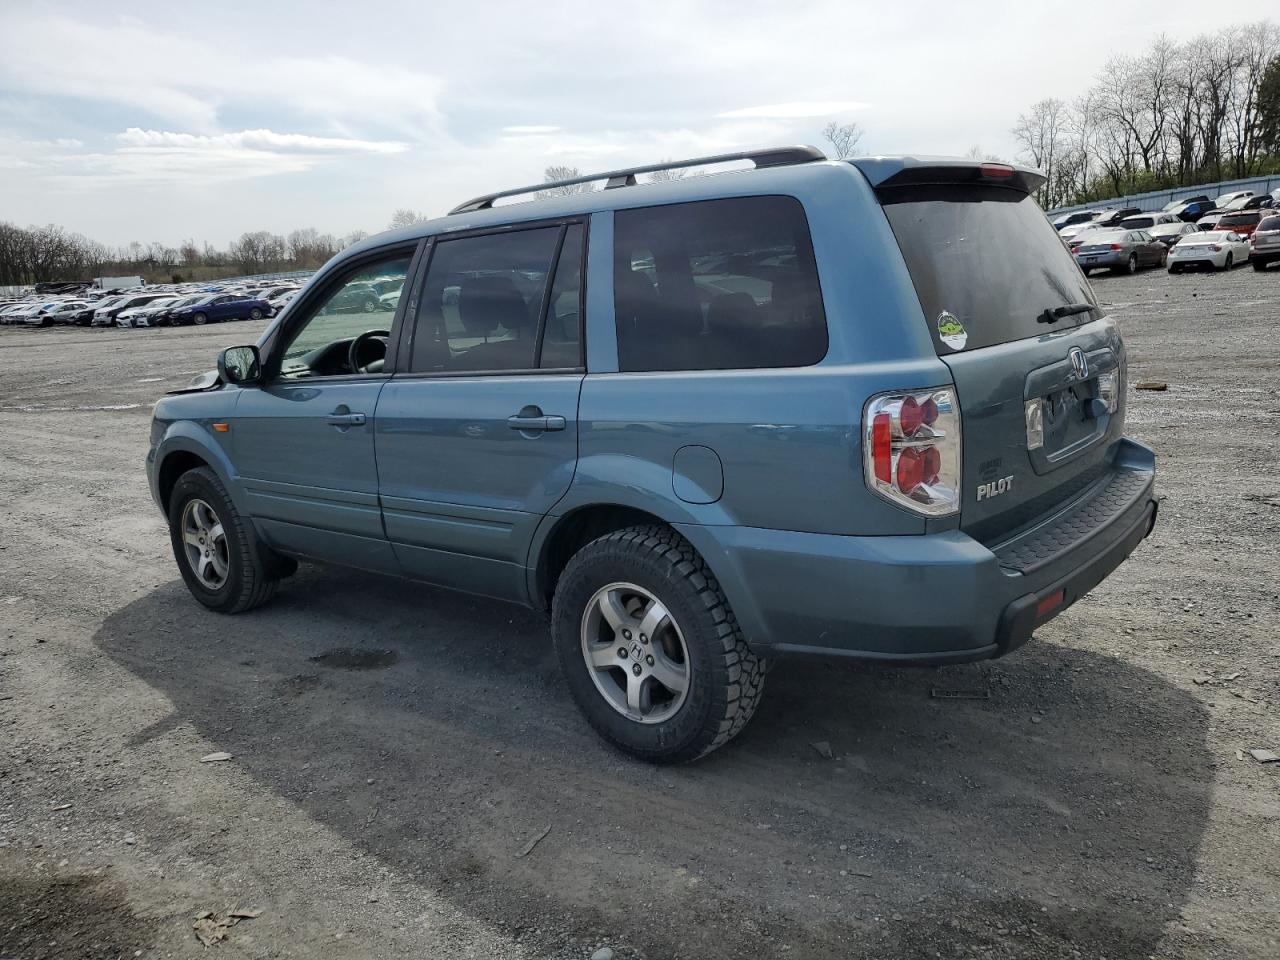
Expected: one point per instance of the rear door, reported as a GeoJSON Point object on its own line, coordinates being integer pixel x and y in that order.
{"type": "Point", "coordinates": [477, 434]}
{"type": "Point", "coordinates": [1030, 349]}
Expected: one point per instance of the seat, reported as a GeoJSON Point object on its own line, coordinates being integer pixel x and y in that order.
{"type": "Point", "coordinates": [487, 305]}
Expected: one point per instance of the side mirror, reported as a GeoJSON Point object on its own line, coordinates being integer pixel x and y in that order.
{"type": "Point", "coordinates": [239, 365]}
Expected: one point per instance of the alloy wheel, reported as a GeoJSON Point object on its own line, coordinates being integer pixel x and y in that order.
{"type": "Point", "coordinates": [205, 543]}
{"type": "Point", "coordinates": [635, 653]}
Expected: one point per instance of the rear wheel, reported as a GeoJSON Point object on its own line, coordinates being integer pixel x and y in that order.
{"type": "Point", "coordinates": [650, 649]}
{"type": "Point", "coordinates": [219, 556]}
{"type": "Point", "coordinates": [1131, 267]}
{"type": "Point", "coordinates": [1226, 264]}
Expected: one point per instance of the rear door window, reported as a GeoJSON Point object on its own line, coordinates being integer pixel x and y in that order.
{"type": "Point", "coordinates": [482, 302]}
{"type": "Point", "coordinates": [986, 257]}
{"type": "Point", "coordinates": [717, 285]}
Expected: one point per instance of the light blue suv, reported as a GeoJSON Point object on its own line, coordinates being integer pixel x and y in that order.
{"type": "Point", "coordinates": [865, 409]}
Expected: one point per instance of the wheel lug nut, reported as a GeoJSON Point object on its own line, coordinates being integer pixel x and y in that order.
{"type": "Point", "coordinates": [626, 634]}
{"type": "Point", "coordinates": [622, 652]}
{"type": "Point", "coordinates": [643, 638]}
{"type": "Point", "coordinates": [635, 668]}
{"type": "Point", "coordinates": [649, 661]}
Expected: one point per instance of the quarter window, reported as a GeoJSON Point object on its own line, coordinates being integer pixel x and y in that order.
{"type": "Point", "coordinates": [717, 285]}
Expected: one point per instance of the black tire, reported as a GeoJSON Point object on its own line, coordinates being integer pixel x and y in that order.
{"type": "Point", "coordinates": [1174, 268]}
{"type": "Point", "coordinates": [1226, 264]}
{"type": "Point", "coordinates": [725, 678]}
{"type": "Point", "coordinates": [369, 306]}
{"type": "Point", "coordinates": [200, 319]}
{"type": "Point", "coordinates": [252, 568]}
{"type": "Point", "coordinates": [1259, 266]}
{"type": "Point", "coordinates": [1131, 266]}
{"type": "Point", "coordinates": [255, 314]}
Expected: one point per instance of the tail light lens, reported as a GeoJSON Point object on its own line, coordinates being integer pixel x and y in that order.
{"type": "Point", "coordinates": [911, 449]}
{"type": "Point", "coordinates": [1116, 246]}
{"type": "Point", "coordinates": [1215, 247]}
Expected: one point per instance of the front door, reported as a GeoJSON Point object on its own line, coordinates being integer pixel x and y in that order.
{"type": "Point", "coordinates": [303, 441]}
{"type": "Point", "coordinates": [477, 439]}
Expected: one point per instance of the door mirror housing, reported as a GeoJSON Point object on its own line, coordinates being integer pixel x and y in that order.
{"type": "Point", "coordinates": [240, 365]}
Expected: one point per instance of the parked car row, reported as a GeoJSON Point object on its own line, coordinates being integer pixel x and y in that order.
{"type": "Point", "coordinates": [1239, 212]}
{"type": "Point", "coordinates": [156, 306]}
{"type": "Point", "coordinates": [1255, 240]}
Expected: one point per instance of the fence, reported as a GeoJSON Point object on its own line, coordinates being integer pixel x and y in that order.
{"type": "Point", "coordinates": [1158, 198]}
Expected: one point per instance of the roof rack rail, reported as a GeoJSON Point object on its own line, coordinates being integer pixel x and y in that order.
{"type": "Point", "coordinates": [772, 157]}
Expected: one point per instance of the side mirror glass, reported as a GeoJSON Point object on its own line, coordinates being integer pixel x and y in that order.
{"type": "Point", "coordinates": [239, 365]}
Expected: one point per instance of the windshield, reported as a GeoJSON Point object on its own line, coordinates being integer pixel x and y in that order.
{"type": "Point", "coordinates": [986, 256]}
{"type": "Point", "coordinates": [1167, 229]}
{"type": "Point", "coordinates": [1137, 223]}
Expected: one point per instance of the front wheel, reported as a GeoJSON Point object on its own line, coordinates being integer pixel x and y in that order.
{"type": "Point", "coordinates": [255, 314]}
{"type": "Point", "coordinates": [218, 553]}
{"type": "Point", "coordinates": [200, 319]}
{"type": "Point", "coordinates": [650, 648]}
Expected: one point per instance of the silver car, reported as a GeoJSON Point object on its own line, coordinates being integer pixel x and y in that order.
{"type": "Point", "coordinates": [1120, 251]}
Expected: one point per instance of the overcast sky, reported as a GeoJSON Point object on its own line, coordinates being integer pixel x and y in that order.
{"type": "Point", "coordinates": [206, 120]}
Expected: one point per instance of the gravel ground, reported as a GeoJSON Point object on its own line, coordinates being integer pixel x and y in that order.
{"type": "Point", "coordinates": [395, 748]}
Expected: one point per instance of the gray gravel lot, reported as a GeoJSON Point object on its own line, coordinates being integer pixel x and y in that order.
{"type": "Point", "coordinates": [1094, 806]}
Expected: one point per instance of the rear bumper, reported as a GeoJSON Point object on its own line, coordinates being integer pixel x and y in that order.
{"type": "Point", "coordinates": [937, 598]}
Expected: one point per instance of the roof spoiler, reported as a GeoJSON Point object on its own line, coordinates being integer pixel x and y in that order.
{"type": "Point", "coordinates": [888, 172]}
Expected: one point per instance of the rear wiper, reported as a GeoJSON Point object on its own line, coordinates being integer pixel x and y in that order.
{"type": "Point", "coordinates": [1054, 314]}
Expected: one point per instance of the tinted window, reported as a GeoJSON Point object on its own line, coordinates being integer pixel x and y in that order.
{"type": "Point", "coordinates": [482, 300]}
{"type": "Point", "coordinates": [1133, 223]}
{"type": "Point", "coordinates": [562, 332]}
{"type": "Point", "coordinates": [986, 256]}
{"type": "Point", "coordinates": [1271, 223]}
{"type": "Point", "coordinates": [717, 285]}
{"type": "Point", "coordinates": [1239, 220]}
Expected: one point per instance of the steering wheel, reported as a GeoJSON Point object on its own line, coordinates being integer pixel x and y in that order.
{"type": "Point", "coordinates": [358, 345]}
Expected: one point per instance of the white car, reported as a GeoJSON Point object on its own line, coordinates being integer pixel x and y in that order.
{"type": "Point", "coordinates": [1221, 249]}
{"type": "Point", "coordinates": [61, 312]}
{"type": "Point", "coordinates": [1227, 198]}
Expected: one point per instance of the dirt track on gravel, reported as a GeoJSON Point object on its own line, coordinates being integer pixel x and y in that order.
{"type": "Point", "coordinates": [1093, 806]}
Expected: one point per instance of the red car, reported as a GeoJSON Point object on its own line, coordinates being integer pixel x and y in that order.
{"type": "Point", "coordinates": [1243, 223]}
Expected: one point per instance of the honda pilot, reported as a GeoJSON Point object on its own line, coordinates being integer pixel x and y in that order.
{"type": "Point", "coordinates": [864, 409]}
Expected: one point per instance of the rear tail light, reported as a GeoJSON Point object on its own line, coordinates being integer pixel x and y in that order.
{"type": "Point", "coordinates": [911, 449]}
{"type": "Point", "coordinates": [1116, 246]}
{"type": "Point", "coordinates": [1215, 247]}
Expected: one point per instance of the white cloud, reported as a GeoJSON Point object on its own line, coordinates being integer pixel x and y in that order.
{"type": "Point", "coordinates": [188, 81]}
{"type": "Point", "coordinates": [798, 109]}
{"type": "Point", "coordinates": [256, 140]}
{"type": "Point", "coordinates": [529, 130]}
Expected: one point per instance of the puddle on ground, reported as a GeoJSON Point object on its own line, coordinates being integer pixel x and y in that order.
{"type": "Point", "coordinates": [356, 658]}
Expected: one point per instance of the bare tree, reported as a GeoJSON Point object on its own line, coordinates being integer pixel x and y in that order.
{"type": "Point", "coordinates": [843, 138]}
{"type": "Point", "coordinates": [559, 172]}
{"type": "Point", "coordinates": [404, 217]}
{"type": "Point", "coordinates": [666, 176]}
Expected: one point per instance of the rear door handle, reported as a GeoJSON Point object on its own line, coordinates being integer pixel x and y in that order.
{"type": "Point", "coordinates": [345, 419]}
{"type": "Point", "coordinates": [536, 424]}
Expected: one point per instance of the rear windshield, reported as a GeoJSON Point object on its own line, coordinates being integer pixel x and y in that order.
{"type": "Point", "coordinates": [986, 257]}
{"type": "Point", "coordinates": [1239, 220]}
{"type": "Point", "coordinates": [1271, 223]}
{"type": "Point", "coordinates": [1138, 223]}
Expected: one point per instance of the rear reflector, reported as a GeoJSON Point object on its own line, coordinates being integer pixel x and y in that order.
{"type": "Point", "coordinates": [1050, 603]}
